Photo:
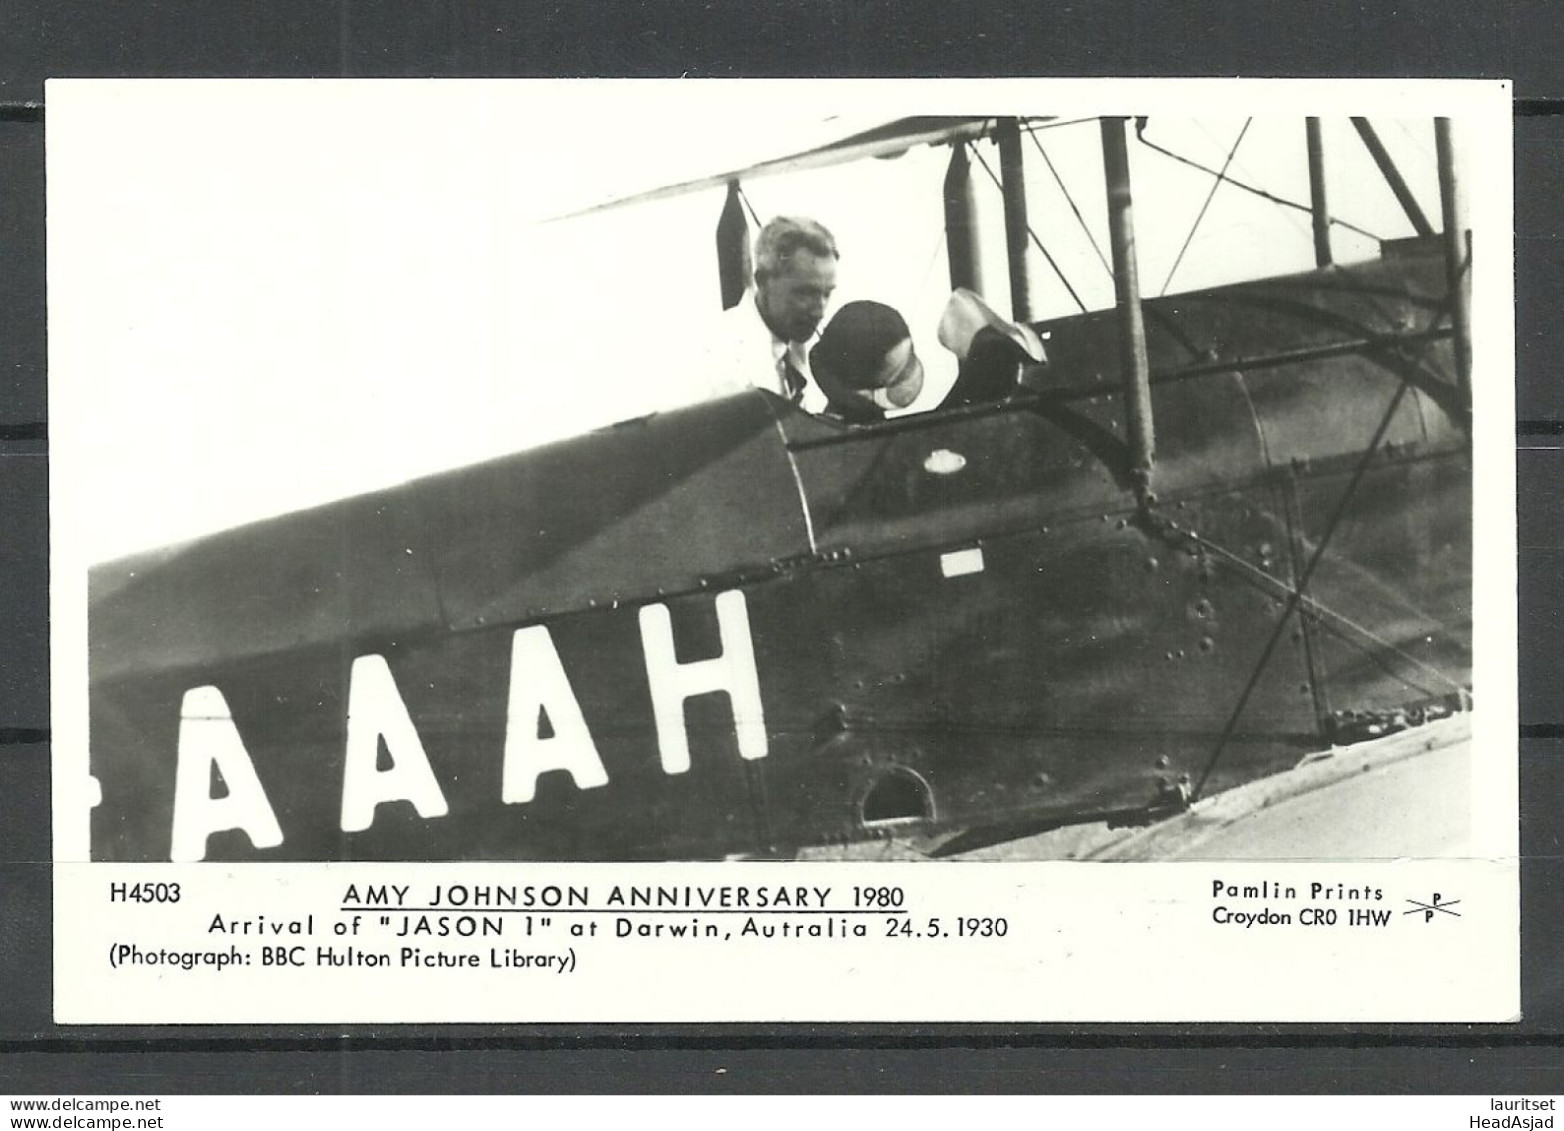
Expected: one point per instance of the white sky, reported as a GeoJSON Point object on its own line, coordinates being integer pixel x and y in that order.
{"type": "Point", "coordinates": [265, 295]}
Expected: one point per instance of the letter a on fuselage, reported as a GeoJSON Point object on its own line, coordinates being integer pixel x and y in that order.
{"type": "Point", "coordinates": [207, 738]}
{"type": "Point", "coordinates": [376, 711]}
{"type": "Point", "coordinates": [539, 686]}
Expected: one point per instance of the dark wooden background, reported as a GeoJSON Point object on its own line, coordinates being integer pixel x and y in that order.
{"type": "Point", "coordinates": [1522, 40]}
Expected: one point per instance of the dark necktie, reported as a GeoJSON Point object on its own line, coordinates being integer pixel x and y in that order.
{"type": "Point", "coordinates": [792, 379]}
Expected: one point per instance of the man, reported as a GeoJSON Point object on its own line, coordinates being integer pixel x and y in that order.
{"type": "Point", "coordinates": [865, 363]}
{"type": "Point", "coordinates": [763, 342]}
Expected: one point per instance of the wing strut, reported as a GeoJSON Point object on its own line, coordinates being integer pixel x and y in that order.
{"type": "Point", "coordinates": [1132, 326]}
{"type": "Point", "coordinates": [1393, 178]}
{"type": "Point", "coordinates": [961, 229]}
{"type": "Point", "coordinates": [1319, 208]}
{"type": "Point", "coordinates": [1458, 255]}
{"type": "Point", "coordinates": [1017, 231]}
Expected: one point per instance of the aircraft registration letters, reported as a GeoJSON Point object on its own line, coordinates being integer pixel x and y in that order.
{"type": "Point", "coordinates": [544, 730]}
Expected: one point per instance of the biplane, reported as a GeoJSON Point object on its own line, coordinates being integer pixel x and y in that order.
{"type": "Point", "coordinates": [1210, 534]}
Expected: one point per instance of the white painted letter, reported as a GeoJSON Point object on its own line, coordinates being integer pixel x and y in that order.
{"type": "Point", "coordinates": [375, 711]}
{"type": "Point", "coordinates": [538, 683]}
{"type": "Point", "coordinates": [207, 738]}
{"type": "Point", "coordinates": [733, 671]}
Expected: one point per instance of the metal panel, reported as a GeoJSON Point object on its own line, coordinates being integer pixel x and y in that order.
{"type": "Point", "coordinates": [937, 481]}
{"type": "Point", "coordinates": [359, 569]}
{"type": "Point", "coordinates": [1395, 583]}
{"type": "Point", "coordinates": [1084, 669]}
{"type": "Point", "coordinates": [657, 505]}
{"type": "Point", "coordinates": [662, 503]}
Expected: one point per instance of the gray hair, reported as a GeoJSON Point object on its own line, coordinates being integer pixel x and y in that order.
{"type": "Point", "coordinates": [785, 236]}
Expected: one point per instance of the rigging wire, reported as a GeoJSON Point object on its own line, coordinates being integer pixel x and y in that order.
{"type": "Point", "coordinates": [1140, 135]}
{"type": "Point", "coordinates": [1305, 229]}
{"type": "Point", "coordinates": [928, 268]}
{"type": "Point", "coordinates": [1418, 147]}
{"type": "Point", "coordinates": [1070, 200]}
{"type": "Point", "coordinates": [1340, 625]}
{"type": "Point", "coordinates": [1298, 596]}
{"type": "Point", "coordinates": [1038, 125]}
{"type": "Point", "coordinates": [753, 215]}
{"type": "Point", "coordinates": [1057, 270]}
{"type": "Point", "coordinates": [1210, 196]}
{"type": "Point", "coordinates": [1302, 586]}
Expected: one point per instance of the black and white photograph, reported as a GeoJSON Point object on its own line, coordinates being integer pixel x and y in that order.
{"type": "Point", "coordinates": [631, 489]}
{"type": "Point", "coordinates": [839, 473]}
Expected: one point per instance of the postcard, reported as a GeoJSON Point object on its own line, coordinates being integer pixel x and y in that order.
{"type": "Point", "coordinates": [782, 551]}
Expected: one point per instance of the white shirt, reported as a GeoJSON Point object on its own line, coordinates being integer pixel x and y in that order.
{"type": "Point", "coordinates": [742, 353]}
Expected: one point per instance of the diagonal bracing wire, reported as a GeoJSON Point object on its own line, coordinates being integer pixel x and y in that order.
{"type": "Point", "coordinates": [1210, 196]}
{"type": "Point", "coordinates": [1140, 135]}
{"type": "Point", "coordinates": [1070, 200]}
{"type": "Point", "coordinates": [1057, 271]}
{"type": "Point", "coordinates": [1299, 590]}
{"type": "Point", "coordinates": [753, 215]}
{"type": "Point", "coordinates": [1302, 587]}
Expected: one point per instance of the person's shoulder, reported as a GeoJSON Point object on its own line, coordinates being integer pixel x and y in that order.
{"type": "Point", "coordinates": [732, 348]}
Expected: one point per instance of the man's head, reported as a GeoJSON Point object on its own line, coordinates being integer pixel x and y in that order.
{"type": "Point", "coordinates": [865, 364]}
{"type": "Point", "coordinates": [795, 273]}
